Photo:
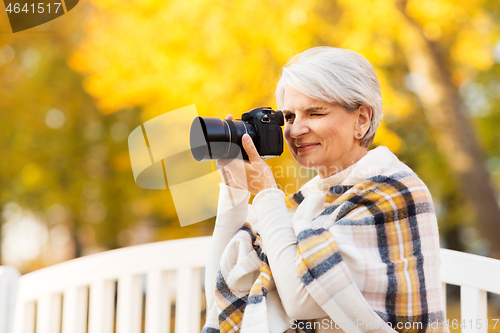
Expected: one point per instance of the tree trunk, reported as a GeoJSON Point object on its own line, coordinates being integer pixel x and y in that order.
{"type": "Point", "coordinates": [77, 245]}
{"type": "Point", "coordinates": [445, 111]}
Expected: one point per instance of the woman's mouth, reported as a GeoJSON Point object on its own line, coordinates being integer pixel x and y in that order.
{"type": "Point", "coordinates": [303, 147]}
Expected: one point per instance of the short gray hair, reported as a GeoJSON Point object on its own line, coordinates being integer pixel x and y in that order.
{"type": "Point", "coordinates": [337, 76]}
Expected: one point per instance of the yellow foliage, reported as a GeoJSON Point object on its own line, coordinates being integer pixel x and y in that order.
{"type": "Point", "coordinates": [183, 52]}
{"type": "Point", "coordinates": [386, 137]}
{"type": "Point", "coordinates": [31, 175]}
{"type": "Point", "coordinates": [121, 162]}
{"type": "Point", "coordinates": [481, 58]}
{"type": "Point", "coordinates": [225, 57]}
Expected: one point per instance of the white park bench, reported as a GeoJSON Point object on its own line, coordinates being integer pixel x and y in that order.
{"type": "Point", "coordinates": [78, 296]}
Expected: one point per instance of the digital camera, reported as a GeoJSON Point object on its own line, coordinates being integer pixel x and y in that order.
{"type": "Point", "coordinates": [214, 138]}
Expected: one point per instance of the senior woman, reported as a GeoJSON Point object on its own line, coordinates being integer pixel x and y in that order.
{"type": "Point", "coordinates": [356, 249]}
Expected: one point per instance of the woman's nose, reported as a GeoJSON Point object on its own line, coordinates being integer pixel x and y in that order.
{"type": "Point", "coordinates": [299, 127]}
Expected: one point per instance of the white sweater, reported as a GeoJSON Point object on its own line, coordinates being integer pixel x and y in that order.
{"type": "Point", "coordinates": [270, 217]}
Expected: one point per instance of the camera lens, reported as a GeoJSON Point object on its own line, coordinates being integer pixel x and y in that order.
{"type": "Point", "coordinates": [205, 131]}
{"type": "Point", "coordinates": [213, 138]}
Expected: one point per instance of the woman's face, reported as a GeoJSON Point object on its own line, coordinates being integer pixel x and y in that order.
{"type": "Point", "coordinates": [321, 135]}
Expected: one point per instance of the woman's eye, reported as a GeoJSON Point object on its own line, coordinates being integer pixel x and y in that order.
{"type": "Point", "coordinates": [289, 117]}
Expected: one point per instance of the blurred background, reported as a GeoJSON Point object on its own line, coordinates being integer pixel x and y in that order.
{"type": "Point", "coordinates": [72, 90]}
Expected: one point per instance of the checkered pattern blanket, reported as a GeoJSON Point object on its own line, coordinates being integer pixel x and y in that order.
{"type": "Point", "coordinates": [370, 260]}
{"type": "Point", "coordinates": [243, 280]}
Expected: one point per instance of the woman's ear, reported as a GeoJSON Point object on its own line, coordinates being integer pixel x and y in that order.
{"type": "Point", "coordinates": [363, 121]}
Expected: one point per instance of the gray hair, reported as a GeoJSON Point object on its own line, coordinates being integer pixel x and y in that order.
{"type": "Point", "coordinates": [337, 76]}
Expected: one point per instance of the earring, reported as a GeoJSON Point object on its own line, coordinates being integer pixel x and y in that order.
{"type": "Point", "coordinates": [359, 134]}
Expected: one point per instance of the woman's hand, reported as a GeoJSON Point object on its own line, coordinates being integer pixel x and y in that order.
{"type": "Point", "coordinates": [254, 175]}
{"type": "Point", "coordinates": [226, 176]}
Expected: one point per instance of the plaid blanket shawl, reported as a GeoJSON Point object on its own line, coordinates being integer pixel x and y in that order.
{"type": "Point", "coordinates": [389, 224]}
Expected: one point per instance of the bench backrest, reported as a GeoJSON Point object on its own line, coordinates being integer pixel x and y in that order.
{"type": "Point", "coordinates": [80, 294]}
{"type": "Point", "coordinates": [105, 292]}
{"type": "Point", "coordinates": [476, 275]}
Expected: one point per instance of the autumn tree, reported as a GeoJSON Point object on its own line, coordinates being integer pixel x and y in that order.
{"type": "Point", "coordinates": [444, 44]}
{"type": "Point", "coordinates": [62, 159]}
{"type": "Point", "coordinates": [140, 59]}
{"type": "Point", "coordinates": [226, 57]}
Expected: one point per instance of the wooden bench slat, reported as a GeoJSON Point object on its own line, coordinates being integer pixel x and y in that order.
{"type": "Point", "coordinates": [48, 319]}
{"type": "Point", "coordinates": [101, 309]}
{"type": "Point", "coordinates": [75, 303]}
{"type": "Point", "coordinates": [473, 305]}
{"type": "Point", "coordinates": [129, 306]}
{"type": "Point", "coordinates": [188, 300]}
{"type": "Point", "coordinates": [158, 301]}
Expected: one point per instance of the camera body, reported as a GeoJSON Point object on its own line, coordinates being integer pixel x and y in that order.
{"type": "Point", "coordinates": [213, 138]}
{"type": "Point", "coordinates": [268, 134]}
